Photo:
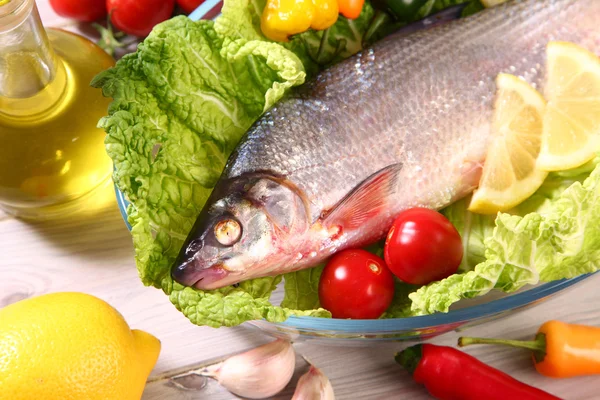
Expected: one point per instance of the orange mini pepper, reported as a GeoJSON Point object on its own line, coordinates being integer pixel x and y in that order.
{"type": "Point", "coordinates": [559, 350]}
{"type": "Point", "coordinates": [351, 9]}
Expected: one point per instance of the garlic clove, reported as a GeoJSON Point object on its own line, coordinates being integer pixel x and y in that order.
{"type": "Point", "coordinates": [258, 373]}
{"type": "Point", "coordinates": [314, 385]}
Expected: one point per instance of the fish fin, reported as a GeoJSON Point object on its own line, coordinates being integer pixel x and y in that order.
{"type": "Point", "coordinates": [470, 174]}
{"type": "Point", "coordinates": [365, 201]}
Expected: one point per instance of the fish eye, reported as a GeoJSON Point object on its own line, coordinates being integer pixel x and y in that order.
{"type": "Point", "coordinates": [228, 231]}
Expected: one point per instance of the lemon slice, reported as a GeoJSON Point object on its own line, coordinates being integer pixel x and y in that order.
{"type": "Point", "coordinates": [572, 118]}
{"type": "Point", "coordinates": [509, 174]}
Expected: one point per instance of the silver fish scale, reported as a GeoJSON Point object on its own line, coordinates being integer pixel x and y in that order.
{"type": "Point", "coordinates": [423, 100]}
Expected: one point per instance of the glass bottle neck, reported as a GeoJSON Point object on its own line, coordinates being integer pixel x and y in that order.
{"type": "Point", "coordinates": [28, 65]}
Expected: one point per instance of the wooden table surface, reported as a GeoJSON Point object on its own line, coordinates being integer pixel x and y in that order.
{"type": "Point", "coordinates": [93, 253]}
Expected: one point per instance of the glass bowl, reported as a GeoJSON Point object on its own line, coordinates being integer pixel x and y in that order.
{"type": "Point", "coordinates": [464, 314]}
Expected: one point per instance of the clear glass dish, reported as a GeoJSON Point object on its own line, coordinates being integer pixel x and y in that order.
{"type": "Point", "coordinates": [464, 314]}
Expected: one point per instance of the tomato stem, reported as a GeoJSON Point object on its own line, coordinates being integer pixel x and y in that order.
{"type": "Point", "coordinates": [108, 40]}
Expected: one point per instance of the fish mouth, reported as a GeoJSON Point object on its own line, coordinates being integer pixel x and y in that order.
{"type": "Point", "coordinates": [207, 278]}
{"type": "Point", "coordinates": [210, 278]}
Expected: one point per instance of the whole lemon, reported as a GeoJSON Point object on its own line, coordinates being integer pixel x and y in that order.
{"type": "Point", "coordinates": [72, 346]}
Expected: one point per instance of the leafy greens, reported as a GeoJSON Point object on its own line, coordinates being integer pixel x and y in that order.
{"type": "Point", "coordinates": [181, 103]}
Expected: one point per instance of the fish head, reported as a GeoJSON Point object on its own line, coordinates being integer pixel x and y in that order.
{"type": "Point", "coordinates": [243, 232]}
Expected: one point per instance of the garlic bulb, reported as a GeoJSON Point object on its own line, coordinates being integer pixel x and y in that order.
{"type": "Point", "coordinates": [258, 373]}
{"type": "Point", "coordinates": [314, 385]}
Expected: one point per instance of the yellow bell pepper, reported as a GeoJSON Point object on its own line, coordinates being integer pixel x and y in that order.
{"type": "Point", "coordinates": [326, 14]}
{"type": "Point", "coordinates": [282, 18]}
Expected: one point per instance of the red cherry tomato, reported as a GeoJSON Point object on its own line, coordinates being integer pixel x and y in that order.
{"type": "Point", "coordinates": [189, 5]}
{"type": "Point", "coordinates": [138, 17]}
{"type": "Point", "coordinates": [81, 10]}
{"type": "Point", "coordinates": [356, 284]}
{"type": "Point", "coordinates": [422, 246]}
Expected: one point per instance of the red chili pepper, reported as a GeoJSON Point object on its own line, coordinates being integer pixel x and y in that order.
{"type": "Point", "coordinates": [450, 374]}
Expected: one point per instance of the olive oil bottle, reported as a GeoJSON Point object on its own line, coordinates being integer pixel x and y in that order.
{"type": "Point", "coordinates": [52, 155]}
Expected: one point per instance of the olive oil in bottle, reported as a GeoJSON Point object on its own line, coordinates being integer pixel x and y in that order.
{"type": "Point", "coordinates": [52, 155]}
